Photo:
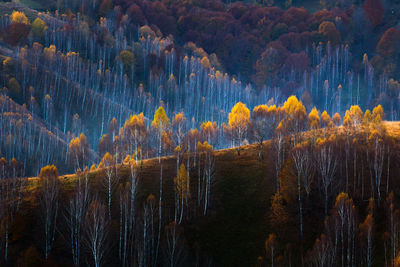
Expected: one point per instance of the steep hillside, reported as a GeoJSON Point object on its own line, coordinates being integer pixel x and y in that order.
{"type": "Point", "coordinates": [234, 231]}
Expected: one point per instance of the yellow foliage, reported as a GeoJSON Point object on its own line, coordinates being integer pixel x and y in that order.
{"type": "Point", "coordinates": [219, 75]}
{"type": "Point", "coordinates": [19, 17]}
{"type": "Point", "coordinates": [38, 27]}
{"type": "Point", "coordinates": [50, 51]}
{"type": "Point", "coordinates": [160, 121]}
{"type": "Point", "coordinates": [347, 121]}
{"type": "Point", "coordinates": [279, 215]}
{"type": "Point", "coordinates": [106, 161]}
{"type": "Point", "coordinates": [397, 260]}
{"type": "Point", "coordinates": [127, 160]}
{"type": "Point", "coordinates": [209, 130]}
{"type": "Point", "coordinates": [8, 64]}
{"type": "Point", "coordinates": [204, 147]}
{"type": "Point", "coordinates": [367, 117]}
{"type": "Point", "coordinates": [167, 141]}
{"type": "Point", "coordinates": [205, 62]}
{"type": "Point", "coordinates": [343, 199]}
{"type": "Point", "coordinates": [378, 111]}
{"type": "Point", "coordinates": [146, 32]}
{"type": "Point", "coordinates": [270, 242]}
{"type": "Point", "coordinates": [127, 58]}
{"type": "Point", "coordinates": [295, 115]}
{"type": "Point", "coordinates": [337, 119]}
{"type": "Point", "coordinates": [179, 118]}
{"type": "Point", "coordinates": [261, 110]}
{"type": "Point", "coordinates": [355, 114]}
{"type": "Point", "coordinates": [313, 119]}
{"type": "Point", "coordinates": [49, 171]}
{"type": "Point", "coordinates": [182, 182]}
{"type": "Point", "coordinates": [74, 143]}
{"type": "Point", "coordinates": [93, 167]}
{"type": "Point", "coordinates": [293, 106]}
{"type": "Point", "coordinates": [325, 119]}
{"type": "Point", "coordinates": [239, 118]}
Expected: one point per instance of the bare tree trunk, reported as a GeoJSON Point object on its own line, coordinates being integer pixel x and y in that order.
{"type": "Point", "coordinates": [49, 205]}
{"type": "Point", "coordinates": [96, 232]}
{"type": "Point", "coordinates": [75, 215]}
{"type": "Point", "coordinates": [159, 214]}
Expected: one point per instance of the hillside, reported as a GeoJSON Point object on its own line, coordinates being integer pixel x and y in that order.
{"type": "Point", "coordinates": [199, 133]}
{"type": "Point", "coordinates": [234, 231]}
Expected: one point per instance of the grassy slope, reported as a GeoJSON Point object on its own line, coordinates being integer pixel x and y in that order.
{"type": "Point", "coordinates": [235, 230]}
{"type": "Point", "coordinates": [233, 233]}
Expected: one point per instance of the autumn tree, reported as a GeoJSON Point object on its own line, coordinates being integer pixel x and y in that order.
{"type": "Point", "coordinates": [210, 131]}
{"type": "Point", "coordinates": [295, 116]}
{"type": "Point", "coordinates": [19, 28]}
{"type": "Point", "coordinates": [378, 149]}
{"type": "Point", "coordinates": [239, 123]}
{"type": "Point", "coordinates": [314, 120]}
{"type": "Point", "coordinates": [160, 125]}
{"type": "Point", "coordinates": [279, 149]}
{"type": "Point", "coordinates": [105, 6]}
{"type": "Point", "coordinates": [11, 190]}
{"type": "Point", "coordinates": [387, 45]}
{"type": "Point", "coordinates": [19, 17]}
{"type": "Point", "coordinates": [378, 114]}
{"type": "Point", "coordinates": [76, 212]}
{"type": "Point", "coordinates": [366, 234]}
{"type": "Point", "coordinates": [174, 244]}
{"type": "Point", "coordinates": [279, 215]}
{"type": "Point", "coordinates": [78, 150]}
{"type": "Point", "coordinates": [127, 59]}
{"type": "Point", "coordinates": [326, 120]}
{"type": "Point", "coordinates": [374, 11]}
{"type": "Point", "coordinates": [329, 31]}
{"type": "Point", "coordinates": [105, 144]}
{"type": "Point", "coordinates": [302, 161]}
{"type": "Point", "coordinates": [113, 128]}
{"type": "Point", "coordinates": [135, 132]}
{"type": "Point", "coordinates": [111, 179]}
{"type": "Point", "coordinates": [270, 245]}
{"type": "Point", "coordinates": [392, 215]}
{"type": "Point", "coordinates": [49, 190]}
{"type": "Point", "coordinates": [38, 27]}
{"type": "Point", "coordinates": [182, 191]}
{"type": "Point", "coordinates": [264, 120]}
{"type": "Point", "coordinates": [326, 163]}
{"type": "Point", "coordinates": [179, 125]}
{"type": "Point", "coordinates": [344, 224]}
{"type": "Point", "coordinates": [336, 119]}
{"type": "Point", "coordinates": [128, 216]}
{"type": "Point", "coordinates": [96, 232]}
{"type": "Point", "coordinates": [323, 253]}
{"type": "Point", "coordinates": [205, 175]}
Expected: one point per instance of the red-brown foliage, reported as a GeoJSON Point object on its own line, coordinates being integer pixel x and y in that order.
{"type": "Point", "coordinates": [389, 43]}
{"type": "Point", "coordinates": [16, 33]}
{"type": "Point", "coordinates": [374, 11]}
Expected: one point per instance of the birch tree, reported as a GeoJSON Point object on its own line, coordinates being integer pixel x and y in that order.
{"type": "Point", "coordinates": [75, 214]}
{"type": "Point", "coordinates": [239, 123]}
{"type": "Point", "coordinates": [96, 233]}
{"type": "Point", "coordinates": [326, 161]}
{"type": "Point", "coordinates": [49, 189]}
{"type": "Point", "coordinates": [160, 125]}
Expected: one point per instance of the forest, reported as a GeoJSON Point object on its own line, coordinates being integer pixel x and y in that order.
{"type": "Point", "coordinates": [200, 133]}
